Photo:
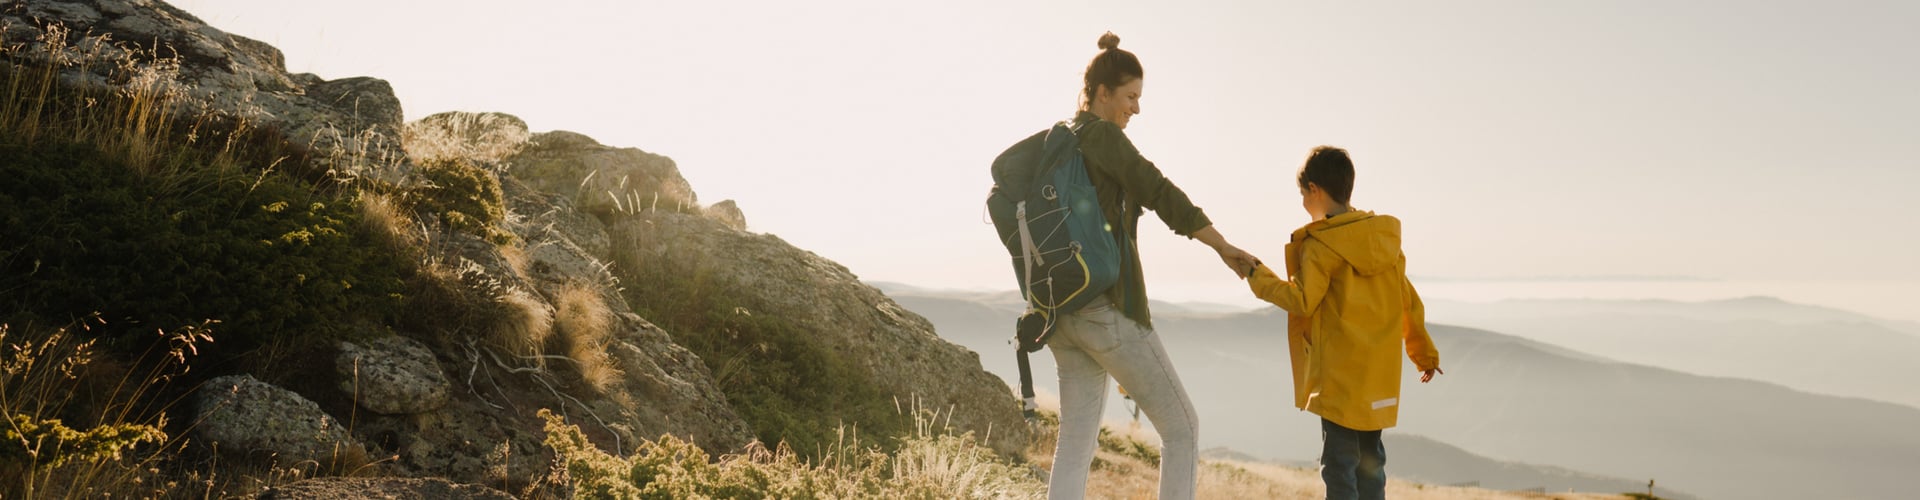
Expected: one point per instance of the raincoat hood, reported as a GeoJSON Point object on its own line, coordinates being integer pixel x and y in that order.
{"type": "Point", "coordinates": [1371, 243]}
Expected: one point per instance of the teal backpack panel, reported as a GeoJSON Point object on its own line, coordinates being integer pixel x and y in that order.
{"type": "Point", "coordinates": [1047, 214]}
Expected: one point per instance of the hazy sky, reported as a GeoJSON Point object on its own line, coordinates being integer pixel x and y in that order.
{"type": "Point", "coordinates": [1743, 140]}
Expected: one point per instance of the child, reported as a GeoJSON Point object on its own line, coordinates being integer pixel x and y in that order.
{"type": "Point", "coordinates": [1350, 309]}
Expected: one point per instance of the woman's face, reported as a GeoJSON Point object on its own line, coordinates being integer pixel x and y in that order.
{"type": "Point", "coordinates": [1118, 105]}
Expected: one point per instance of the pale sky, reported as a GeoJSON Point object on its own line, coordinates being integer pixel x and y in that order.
{"type": "Point", "coordinates": [1740, 141]}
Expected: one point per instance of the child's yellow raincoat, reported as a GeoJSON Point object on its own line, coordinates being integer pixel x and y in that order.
{"type": "Point", "coordinates": [1350, 312]}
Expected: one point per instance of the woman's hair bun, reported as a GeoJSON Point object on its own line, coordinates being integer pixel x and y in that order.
{"type": "Point", "coordinates": [1109, 41]}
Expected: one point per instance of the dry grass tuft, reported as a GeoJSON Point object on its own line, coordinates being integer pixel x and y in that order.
{"type": "Point", "coordinates": [481, 137]}
{"type": "Point", "coordinates": [517, 260]}
{"type": "Point", "coordinates": [930, 462]}
{"type": "Point", "coordinates": [585, 324]}
{"type": "Point", "coordinates": [523, 327]}
{"type": "Point", "coordinates": [391, 223]}
{"type": "Point", "coordinates": [459, 301]}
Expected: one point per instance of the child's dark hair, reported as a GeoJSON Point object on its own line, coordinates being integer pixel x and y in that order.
{"type": "Point", "coordinates": [1112, 67]}
{"type": "Point", "coordinates": [1331, 169]}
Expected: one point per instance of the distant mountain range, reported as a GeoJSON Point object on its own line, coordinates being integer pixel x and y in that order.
{"type": "Point", "coordinates": [1433, 462]}
{"type": "Point", "coordinates": [1757, 308]}
{"type": "Point", "coordinates": [1010, 300]}
{"type": "Point", "coordinates": [1516, 400]}
{"type": "Point", "coordinates": [1810, 348]}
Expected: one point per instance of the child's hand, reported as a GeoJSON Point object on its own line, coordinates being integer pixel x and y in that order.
{"type": "Point", "coordinates": [1428, 375]}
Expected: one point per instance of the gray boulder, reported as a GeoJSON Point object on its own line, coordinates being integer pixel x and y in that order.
{"type": "Point", "coordinates": [239, 414]}
{"type": "Point", "coordinates": [393, 375]}
{"type": "Point", "coordinates": [729, 214]}
{"type": "Point", "coordinates": [367, 100]}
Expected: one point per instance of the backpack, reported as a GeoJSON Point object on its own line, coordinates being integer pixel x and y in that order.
{"type": "Point", "coordinates": [1048, 216]}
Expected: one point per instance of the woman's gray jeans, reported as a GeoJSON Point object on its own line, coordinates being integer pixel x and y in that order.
{"type": "Point", "coordinates": [1091, 344]}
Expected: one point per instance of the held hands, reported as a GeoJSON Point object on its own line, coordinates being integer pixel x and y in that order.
{"type": "Point", "coordinates": [1428, 375]}
{"type": "Point", "coordinates": [1241, 262]}
{"type": "Point", "coordinates": [1236, 259]}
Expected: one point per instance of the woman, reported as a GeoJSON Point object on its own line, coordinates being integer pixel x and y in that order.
{"type": "Point", "coordinates": [1114, 334]}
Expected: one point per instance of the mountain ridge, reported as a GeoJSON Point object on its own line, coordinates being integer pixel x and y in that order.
{"type": "Point", "coordinates": [1514, 399]}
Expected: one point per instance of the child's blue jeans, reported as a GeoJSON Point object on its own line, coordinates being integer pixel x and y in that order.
{"type": "Point", "coordinates": [1353, 463]}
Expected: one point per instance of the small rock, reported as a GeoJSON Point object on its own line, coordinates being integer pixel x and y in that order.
{"type": "Point", "coordinates": [729, 214]}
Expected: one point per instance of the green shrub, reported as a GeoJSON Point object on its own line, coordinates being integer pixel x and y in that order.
{"type": "Point", "coordinates": [465, 197]}
{"type": "Point", "coordinates": [49, 443]}
{"type": "Point", "coordinates": [271, 258]}
{"type": "Point", "coordinates": [77, 426]}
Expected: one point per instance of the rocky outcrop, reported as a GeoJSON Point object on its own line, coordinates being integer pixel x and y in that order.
{"type": "Point", "coordinates": [665, 388]}
{"type": "Point", "coordinates": [897, 349]}
{"type": "Point", "coordinates": [489, 433]}
{"type": "Point", "coordinates": [644, 385]}
{"type": "Point", "coordinates": [349, 126]}
{"type": "Point", "coordinates": [551, 183]}
{"type": "Point", "coordinates": [241, 415]}
{"type": "Point", "coordinates": [564, 196]}
{"type": "Point", "coordinates": [673, 388]}
{"type": "Point", "coordinates": [452, 403]}
{"type": "Point", "coordinates": [392, 375]}
{"type": "Point", "coordinates": [353, 488]}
